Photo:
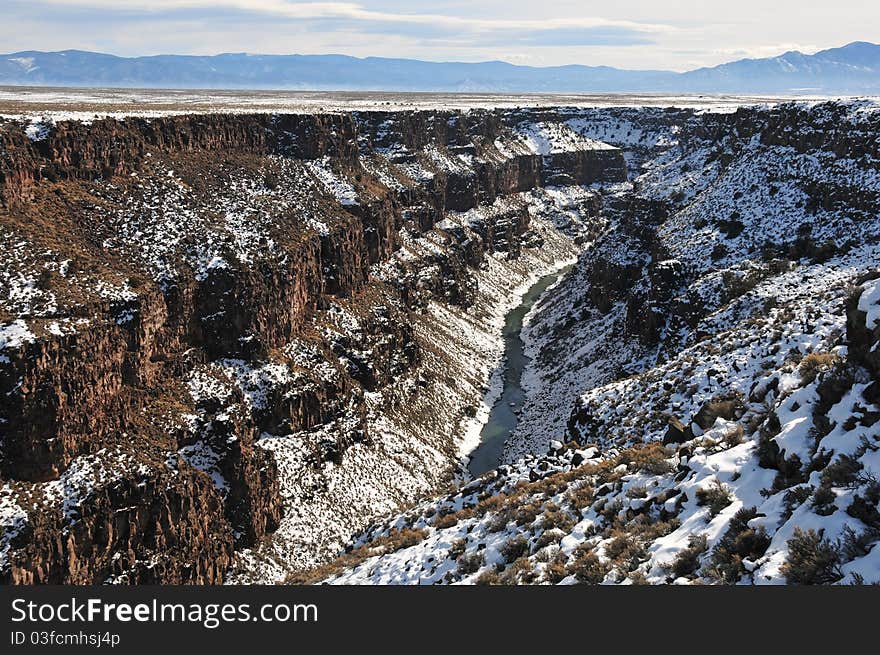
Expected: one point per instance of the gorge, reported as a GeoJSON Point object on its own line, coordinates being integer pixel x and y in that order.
{"type": "Point", "coordinates": [258, 347]}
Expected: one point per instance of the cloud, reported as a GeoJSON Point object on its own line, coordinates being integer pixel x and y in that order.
{"type": "Point", "coordinates": [350, 14]}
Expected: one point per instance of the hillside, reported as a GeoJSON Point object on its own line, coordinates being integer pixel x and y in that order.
{"type": "Point", "coordinates": [703, 399]}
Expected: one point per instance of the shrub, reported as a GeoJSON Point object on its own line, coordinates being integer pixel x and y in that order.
{"type": "Point", "coordinates": [716, 497]}
{"type": "Point", "coordinates": [581, 497]}
{"type": "Point", "coordinates": [843, 472]}
{"type": "Point", "coordinates": [864, 507]}
{"type": "Point", "coordinates": [457, 548]}
{"type": "Point", "coordinates": [498, 522]}
{"type": "Point", "coordinates": [488, 578]}
{"type": "Point", "coordinates": [853, 545]}
{"type": "Point", "coordinates": [400, 539]}
{"type": "Point", "coordinates": [557, 520]}
{"type": "Point", "coordinates": [768, 449]}
{"type": "Point", "coordinates": [734, 436]}
{"type": "Point", "coordinates": [520, 571]}
{"type": "Point", "coordinates": [823, 501]}
{"type": "Point", "coordinates": [610, 510]}
{"type": "Point", "coordinates": [688, 560]}
{"type": "Point", "coordinates": [548, 538]}
{"type": "Point", "coordinates": [651, 458]}
{"type": "Point", "coordinates": [815, 363]}
{"type": "Point", "coordinates": [526, 514]}
{"type": "Point", "coordinates": [739, 543]}
{"type": "Point", "coordinates": [587, 568]}
{"type": "Point", "coordinates": [637, 578]}
{"type": "Point", "coordinates": [636, 492]}
{"type": "Point", "coordinates": [625, 551]}
{"type": "Point", "coordinates": [468, 564]}
{"type": "Point", "coordinates": [794, 498]}
{"type": "Point", "coordinates": [812, 559]}
{"type": "Point", "coordinates": [445, 521]}
{"type": "Point", "coordinates": [514, 548]}
{"type": "Point", "coordinates": [556, 571]}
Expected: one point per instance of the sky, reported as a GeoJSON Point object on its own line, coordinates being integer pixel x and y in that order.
{"type": "Point", "coordinates": [644, 34]}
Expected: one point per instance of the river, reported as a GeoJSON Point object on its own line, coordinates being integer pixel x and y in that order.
{"type": "Point", "coordinates": [504, 415]}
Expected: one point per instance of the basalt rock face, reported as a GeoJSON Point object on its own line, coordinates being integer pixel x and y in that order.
{"type": "Point", "coordinates": [138, 528]}
{"type": "Point", "coordinates": [176, 288]}
{"type": "Point", "coordinates": [75, 150]}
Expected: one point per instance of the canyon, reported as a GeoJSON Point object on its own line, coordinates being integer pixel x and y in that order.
{"type": "Point", "coordinates": [259, 347]}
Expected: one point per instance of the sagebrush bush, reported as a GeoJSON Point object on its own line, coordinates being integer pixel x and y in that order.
{"type": "Point", "coordinates": [557, 520]}
{"type": "Point", "coordinates": [812, 559]}
{"type": "Point", "coordinates": [468, 564]}
{"type": "Point", "coordinates": [581, 497]}
{"type": "Point", "coordinates": [716, 497]}
{"type": "Point", "coordinates": [651, 458]}
{"type": "Point", "coordinates": [739, 543]}
{"type": "Point", "coordinates": [823, 501]}
{"type": "Point", "coordinates": [548, 538]}
{"type": "Point", "coordinates": [814, 363]}
{"type": "Point", "coordinates": [514, 548]}
{"type": "Point", "coordinates": [520, 571]}
{"type": "Point", "coordinates": [734, 436]}
{"type": "Point", "coordinates": [556, 570]}
{"type": "Point", "coordinates": [488, 578]}
{"type": "Point", "coordinates": [445, 521]}
{"type": "Point", "coordinates": [457, 548]}
{"type": "Point", "coordinates": [688, 560]}
{"type": "Point", "coordinates": [626, 551]}
{"type": "Point", "coordinates": [526, 514]}
{"type": "Point", "coordinates": [842, 472]}
{"type": "Point", "coordinates": [586, 566]}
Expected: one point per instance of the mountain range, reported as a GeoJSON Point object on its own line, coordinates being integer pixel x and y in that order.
{"type": "Point", "coordinates": [851, 69]}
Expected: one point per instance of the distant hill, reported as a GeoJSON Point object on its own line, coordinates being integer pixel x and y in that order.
{"type": "Point", "coordinates": [851, 69]}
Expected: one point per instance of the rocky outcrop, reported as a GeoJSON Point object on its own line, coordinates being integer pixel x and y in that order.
{"type": "Point", "coordinates": [144, 526]}
{"type": "Point", "coordinates": [74, 150]}
{"type": "Point", "coordinates": [863, 339]}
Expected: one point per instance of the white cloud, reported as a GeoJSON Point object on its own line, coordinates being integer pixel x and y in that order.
{"type": "Point", "coordinates": [358, 12]}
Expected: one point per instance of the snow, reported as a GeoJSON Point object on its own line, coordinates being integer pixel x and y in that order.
{"type": "Point", "coordinates": [551, 138]}
{"type": "Point", "coordinates": [201, 456]}
{"type": "Point", "coordinates": [15, 334]}
{"type": "Point", "coordinates": [13, 519]}
{"type": "Point", "coordinates": [869, 302]}
{"type": "Point", "coordinates": [67, 104]}
{"type": "Point", "coordinates": [38, 130]}
{"type": "Point", "coordinates": [339, 188]}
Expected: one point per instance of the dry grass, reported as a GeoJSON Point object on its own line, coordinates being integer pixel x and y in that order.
{"type": "Point", "coordinates": [814, 363]}
{"type": "Point", "coordinates": [716, 497]}
{"type": "Point", "coordinates": [392, 542]}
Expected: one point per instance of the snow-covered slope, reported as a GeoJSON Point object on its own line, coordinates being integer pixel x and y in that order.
{"type": "Point", "coordinates": [703, 399]}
